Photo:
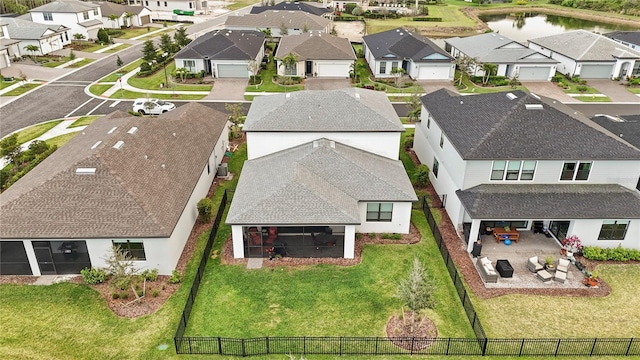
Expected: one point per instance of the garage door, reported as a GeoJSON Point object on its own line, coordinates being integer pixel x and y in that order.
{"type": "Point", "coordinates": [144, 20]}
{"type": "Point", "coordinates": [333, 70]}
{"type": "Point", "coordinates": [434, 72]}
{"type": "Point", "coordinates": [596, 71]}
{"type": "Point", "coordinates": [13, 259]}
{"type": "Point", "coordinates": [4, 60]}
{"type": "Point", "coordinates": [232, 71]}
{"type": "Point", "coordinates": [533, 73]}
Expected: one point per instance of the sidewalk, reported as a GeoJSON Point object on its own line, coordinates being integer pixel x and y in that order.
{"type": "Point", "coordinates": [123, 84]}
{"type": "Point", "coordinates": [18, 84]}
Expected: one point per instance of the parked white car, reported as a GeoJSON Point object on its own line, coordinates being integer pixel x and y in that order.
{"type": "Point", "coordinates": [150, 106]}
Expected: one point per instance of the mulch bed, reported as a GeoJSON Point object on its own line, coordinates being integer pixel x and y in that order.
{"type": "Point", "coordinates": [400, 333]}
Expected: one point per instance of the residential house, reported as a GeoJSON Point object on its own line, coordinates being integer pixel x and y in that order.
{"type": "Point", "coordinates": [80, 17]}
{"type": "Point", "coordinates": [628, 38]}
{"type": "Point", "coordinates": [510, 57]}
{"type": "Point", "coordinates": [515, 159]}
{"type": "Point", "coordinates": [22, 33]}
{"type": "Point", "coordinates": [295, 22]}
{"type": "Point", "coordinates": [124, 15]}
{"type": "Point", "coordinates": [222, 53]}
{"type": "Point", "coordinates": [199, 7]}
{"type": "Point", "coordinates": [307, 7]}
{"type": "Point", "coordinates": [322, 166]}
{"type": "Point", "coordinates": [418, 56]}
{"type": "Point", "coordinates": [317, 54]}
{"type": "Point", "coordinates": [9, 48]}
{"type": "Point", "coordinates": [124, 180]}
{"type": "Point", "coordinates": [589, 55]}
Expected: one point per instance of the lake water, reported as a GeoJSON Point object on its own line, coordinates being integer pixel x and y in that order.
{"type": "Point", "coordinates": [533, 26]}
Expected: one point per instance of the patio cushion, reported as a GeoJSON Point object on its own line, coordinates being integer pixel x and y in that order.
{"type": "Point", "coordinates": [489, 267]}
{"type": "Point", "coordinates": [485, 261]}
{"type": "Point", "coordinates": [560, 276]}
{"type": "Point", "coordinates": [563, 265]}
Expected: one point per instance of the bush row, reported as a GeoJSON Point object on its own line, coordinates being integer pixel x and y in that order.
{"type": "Point", "coordinates": [493, 80]}
{"type": "Point", "coordinates": [348, 18]}
{"type": "Point", "coordinates": [616, 254]}
{"type": "Point", "coordinates": [7, 179]}
{"type": "Point", "coordinates": [432, 19]}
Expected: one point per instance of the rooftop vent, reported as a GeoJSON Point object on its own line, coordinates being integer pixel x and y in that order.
{"type": "Point", "coordinates": [535, 96]}
{"type": "Point", "coordinates": [533, 106]}
{"type": "Point", "coordinates": [612, 118]}
{"type": "Point", "coordinates": [332, 144]}
{"type": "Point", "coordinates": [96, 144]}
{"type": "Point", "coordinates": [112, 130]}
{"type": "Point", "coordinates": [316, 143]}
{"type": "Point", "coordinates": [511, 96]}
{"type": "Point", "coordinates": [163, 166]}
{"type": "Point", "coordinates": [118, 145]}
{"type": "Point", "coordinates": [86, 171]}
{"type": "Point", "coordinates": [132, 130]}
{"type": "Point", "coordinates": [357, 96]}
{"type": "Point", "coordinates": [288, 95]}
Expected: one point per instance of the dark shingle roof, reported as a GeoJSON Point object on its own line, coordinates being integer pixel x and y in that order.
{"type": "Point", "coordinates": [316, 46]}
{"type": "Point", "coordinates": [139, 190]}
{"type": "Point", "coordinates": [66, 6]}
{"type": "Point", "coordinates": [493, 126]}
{"type": "Point", "coordinates": [404, 45]}
{"type": "Point", "coordinates": [224, 45]}
{"type": "Point", "coordinates": [626, 127]}
{"type": "Point", "coordinates": [320, 182]}
{"type": "Point", "coordinates": [551, 201]}
{"type": "Point", "coordinates": [288, 6]}
{"type": "Point", "coordinates": [632, 37]}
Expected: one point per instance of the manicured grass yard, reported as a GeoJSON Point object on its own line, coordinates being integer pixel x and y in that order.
{"type": "Point", "coordinates": [123, 70]}
{"type": "Point", "coordinates": [85, 120]}
{"type": "Point", "coordinates": [240, 4]}
{"type": "Point", "coordinates": [5, 84]}
{"type": "Point", "coordinates": [267, 82]}
{"type": "Point", "coordinates": [450, 14]}
{"type": "Point", "coordinates": [35, 131]}
{"type": "Point", "coordinates": [62, 139]}
{"type": "Point", "coordinates": [126, 94]}
{"type": "Point", "coordinates": [588, 98]}
{"type": "Point", "coordinates": [153, 82]}
{"type": "Point", "coordinates": [99, 89]}
{"type": "Point", "coordinates": [21, 89]}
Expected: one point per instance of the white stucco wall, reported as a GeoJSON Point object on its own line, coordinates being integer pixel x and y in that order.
{"type": "Point", "coordinates": [263, 143]}
{"type": "Point", "coordinates": [400, 220]}
{"type": "Point", "coordinates": [70, 20]}
{"type": "Point", "coordinates": [589, 229]}
{"type": "Point", "coordinates": [170, 5]}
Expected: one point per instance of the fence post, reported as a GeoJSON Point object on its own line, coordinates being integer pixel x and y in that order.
{"type": "Point", "coordinates": [593, 347]}
{"type": "Point", "coordinates": [190, 348]}
{"type": "Point", "coordinates": [412, 340]}
{"type": "Point", "coordinates": [219, 346]}
{"type": "Point", "coordinates": [558, 346]}
{"type": "Point", "coordinates": [378, 338]}
{"type": "Point", "coordinates": [628, 347]}
{"type": "Point", "coordinates": [267, 344]}
{"type": "Point", "coordinates": [521, 347]}
{"type": "Point", "coordinates": [244, 351]}
{"type": "Point", "coordinates": [484, 347]}
{"type": "Point", "coordinates": [340, 346]}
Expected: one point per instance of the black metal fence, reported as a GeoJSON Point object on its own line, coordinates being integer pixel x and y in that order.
{"type": "Point", "coordinates": [392, 346]}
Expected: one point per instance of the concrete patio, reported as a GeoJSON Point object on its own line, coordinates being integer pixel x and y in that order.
{"type": "Point", "coordinates": [529, 245]}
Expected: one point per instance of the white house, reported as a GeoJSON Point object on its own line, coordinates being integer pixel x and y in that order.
{"type": "Point", "coordinates": [514, 158]}
{"type": "Point", "coordinates": [22, 33]}
{"type": "Point", "coordinates": [588, 55]}
{"type": "Point", "coordinates": [80, 17]}
{"type": "Point", "coordinates": [197, 6]}
{"type": "Point", "coordinates": [295, 22]}
{"type": "Point", "coordinates": [116, 15]}
{"type": "Point", "coordinates": [124, 181]}
{"type": "Point", "coordinates": [419, 57]}
{"type": "Point", "coordinates": [317, 55]}
{"type": "Point", "coordinates": [223, 53]}
{"type": "Point", "coordinates": [8, 48]}
{"type": "Point", "coordinates": [322, 166]}
{"type": "Point", "coordinates": [510, 57]}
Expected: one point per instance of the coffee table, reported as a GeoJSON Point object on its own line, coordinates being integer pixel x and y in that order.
{"type": "Point", "coordinates": [504, 268]}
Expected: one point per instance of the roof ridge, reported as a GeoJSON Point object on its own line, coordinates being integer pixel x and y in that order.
{"type": "Point", "coordinates": [498, 125]}
{"type": "Point", "coordinates": [593, 43]}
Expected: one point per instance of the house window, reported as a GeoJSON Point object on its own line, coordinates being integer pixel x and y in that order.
{"type": "Point", "coordinates": [638, 185]}
{"type": "Point", "coordinates": [1, 32]}
{"type": "Point", "coordinates": [441, 140]}
{"type": "Point", "coordinates": [135, 249]}
{"type": "Point", "coordinates": [573, 170]}
{"type": "Point", "coordinates": [436, 166]}
{"type": "Point", "coordinates": [66, 36]}
{"type": "Point", "coordinates": [165, 4]}
{"type": "Point", "coordinates": [528, 169]}
{"type": "Point", "coordinates": [190, 5]}
{"type": "Point", "coordinates": [85, 15]}
{"type": "Point", "coordinates": [613, 230]}
{"type": "Point", "coordinates": [383, 67]}
{"type": "Point", "coordinates": [291, 69]}
{"type": "Point", "coordinates": [95, 11]}
{"type": "Point", "coordinates": [158, 3]}
{"type": "Point", "coordinates": [497, 171]}
{"type": "Point", "coordinates": [429, 122]}
{"type": "Point", "coordinates": [208, 168]}
{"type": "Point", "coordinates": [379, 211]}
{"type": "Point", "coordinates": [514, 170]}
{"type": "Point", "coordinates": [146, 3]}
{"type": "Point", "coordinates": [47, 16]}
{"type": "Point", "coordinates": [394, 65]}
{"type": "Point", "coordinates": [190, 65]}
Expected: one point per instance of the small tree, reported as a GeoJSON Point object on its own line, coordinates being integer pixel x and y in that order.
{"type": "Point", "coordinates": [283, 29]}
{"type": "Point", "coordinates": [127, 19]}
{"type": "Point", "coordinates": [253, 67]}
{"type": "Point", "coordinates": [166, 44]}
{"type": "Point", "coordinates": [72, 55]}
{"type": "Point", "coordinates": [397, 74]}
{"type": "Point", "coordinates": [236, 115]}
{"type": "Point", "coordinates": [114, 20]}
{"type": "Point", "coordinates": [38, 147]}
{"type": "Point", "coordinates": [415, 107]}
{"type": "Point", "coordinates": [422, 175]}
{"type": "Point", "coordinates": [357, 11]}
{"type": "Point", "coordinates": [149, 51]}
{"type": "Point", "coordinates": [289, 62]}
{"type": "Point", "coordinates": [489, 70]}
{"type": "Point", "coordinates": [205, 210]}
{"type": "Point", "coordinates": [10, 148]}
{"type": "Point", "coordinates": [305, 28]}
{"type": "Point", "coordinates": [514, 82]}
{"type": "Point", "coordinates": [180, 37]}
{"type": "Point", "coordinates": [416, 290]}
{"type": "Point", "coordinates": [32, 49]}
{"type": "Point", "coordinates": [267, 33]}
{"type": "Point", "coordinates": [78, 36]}
{"type": "Point", "coordinates": [182, 73]}
{"type": "Point", "coordinates": [103, 37]}
{"type": "Point", "coordinates": [119, 62]}
{"type": "Point", "coordinates": [465, 64]}
{"type": "Point", "coordinates": [121, 267]}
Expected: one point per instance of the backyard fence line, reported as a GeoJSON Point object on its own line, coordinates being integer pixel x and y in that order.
{"type": "Point", "coordinates": [481, 345]}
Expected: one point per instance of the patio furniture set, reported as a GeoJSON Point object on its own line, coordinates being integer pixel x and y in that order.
{"type": "Point", "coordinates": [490, 274]}
{"type": "Point", "coordinates": [545, 273]}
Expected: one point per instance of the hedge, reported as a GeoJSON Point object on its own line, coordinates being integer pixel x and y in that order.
{"type": "Point", "coordinates": [493, 80]}
{"type": "Point", "coordinates": [348, 18]}
{"type": "Point", "coordinates": [616, 254]}
{"type": "Point", "coordinates": [432, 19]}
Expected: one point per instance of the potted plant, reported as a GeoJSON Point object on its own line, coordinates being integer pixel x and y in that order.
{"type": "Point", "coordinates": [591, 279]}
{"type": "Point", "coordinates": [548, 262]}
{"type": "Point", "coordinates": [571, 245]}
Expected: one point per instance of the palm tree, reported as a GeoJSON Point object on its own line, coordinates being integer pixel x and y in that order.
{"type": "Point", "coordinates": [397, 73]}
{"type": "Point", "coordinates": [127, 19]}
{"type": "Point", "coordinates": [289, 62]}
{"type": "Point", "coordinates": [489, 70]}
{"type": "Point", "coordinates": [32, 49]}
{"type": "Point", "coordinates": [114, 19]}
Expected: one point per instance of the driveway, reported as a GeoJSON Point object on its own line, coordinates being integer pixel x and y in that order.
{"type": "Point", "coordinates": [228, 89]}
{"type": "Point", "coordinates": [548, 89]}
{"type": "Point", "coordinates": [434, 85]}
{"type": "Point", "coordinates": [326, 84]}
{"type": "Point", "coordinates": [615, 90]}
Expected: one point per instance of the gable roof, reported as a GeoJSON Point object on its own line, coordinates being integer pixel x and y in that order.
{"type": "Point", "coordinates": [550, 201]}
{"type": "Point", "coordinates": [27, 30]}
{"type": "Point", "coordinates": [295, 6]}
{"type": "Point", "coordinates": [493, 126]}
{"type": "Point", "coordinates": [583, 45]}
{"type": "Point", "coordinates": [224, 45]}
{"type": "Point", "coordinates": [139, 190]}
{"type": "Point", "coordinates": [320, 182]}
{"type": "Point", "coordinates": [66, 6]}
{"type": "Point", "coordinates": [108, 8]}
{"type": "Point", "coordinates": [344, 110]}
{"type": "Point", "coordinates": [316, 46]}
{"type": "Point", "coordinates": [402, 44]}
{"type": "Point", "coordinates": [632, 37]}
{"type": "Point", "coordinates": [274, 18]}
{"type": "Point", "coordinates": [627, 127]}
{"type": "Point", "coordinates": [496, 48]}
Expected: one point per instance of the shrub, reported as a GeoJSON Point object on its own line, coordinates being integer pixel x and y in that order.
{"type": "Point", "coordinates": [124, 295]}
{"type": "Point", "coordinates": [582, 88]}
{"type": "Point", "coordinates": [408, 142]}
{"type": "Point", "coordinates": [155, 292]}
{"type": "Point", "coordinates": [115, 295]}
{"type": "Point", "coordinates": [616, 254]}
{"type": "Point", "coordinates": [422, 175]}
{"type": "Point", "coordinates": [205, 210]}
{"type": "Point", "coordinates": [557, 78]}
{"type": "Point", "coordinates": [145, 67]}
{"type": "Point", "coordinates": [149, 275]}
{"type": "Point", "coordinates": [391, 236]}
{"type": "Point", "coordinates": [93, 276]}
{"type": "Point", "coordinates": [176, 277]}
{"type": "Point", "coordinates": [103, 37]}
{"type": "Point", "coordinates": [431, 19]}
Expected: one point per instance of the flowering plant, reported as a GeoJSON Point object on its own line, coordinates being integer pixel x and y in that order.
{"type": "Point", "coordinates": [572, 243]}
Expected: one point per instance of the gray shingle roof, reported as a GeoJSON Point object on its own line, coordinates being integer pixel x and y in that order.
{"type": "Point", "coordinates": [224, 45]}
{"type": "Point", "coordinates": [66, 6]}
{"type": "Point", "coordinates": [288, 6]}
{"type": "Point", "coordinates": [496, 48]}
{"type": "Point", "coordinates": [404, 45]}
{"type": "Point", "coordinates": [274, 18]}
{"type": "Point", "coordinates": [492, 126]}
{"type": "Point", "coordinates": [583, 45]}
{"type": "Point", "coordinates": [632, 37]}
{"type": "Point", "coordinates": [320, 182]}
{"type": "Point", "coordinates": [316, 46]}
{"type": "Point", "coordinates": [92, 22]}
{"type": "Point", "coordinates": [139, 190]}
{"type": "Point", "coordinates": [628, 129]}
{"type": "Point", "coordinates": [551, 201]}
{"type": "Point", "coordinates": [345, 110]}
{"type": "Point", "coordinates": [108, 8]}
{"type": "Point", "coordinates": [28, 30]}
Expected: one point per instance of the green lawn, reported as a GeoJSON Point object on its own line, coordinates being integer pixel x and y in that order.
{"type": "Point", "coordinates": [593, 98]}
{"type": "Point", "coordinates": [133, 32]}
{"type": "Point", "coordinates": [35, 131]}
{"type": "Point", "coordinates": [6, 84]}
{"type": "Point", "coordinates": [99, 89]}
{"type": "Point", "coordinates": [95, 47]}
{"type": "Point", "coordinates": [126, 94]}
{"type": "Point", "coordinates": [573, 89]}
{"type": "Point", "coordinates": [268, 85]}
{"type": "Point", "coordinates": [635, 90]}
{"type": "Point", "coordinates": [21, 89]}
{"type": "Point", "coordinates": [53, 63]}
{"type": "Point", "coordinates": [470, 88]}
{"type": "Point", "coordinates": [85, 120]}
{"type": "Point", "coordinates": [241, 4]}
{"type": "Point", "coordinates": [81, 63]}
{"type": "Point", "coordinates": [153, 82]}
{"type": "Point", "coordinates": [117, 48]}
{"type": "Point", "coordinates": [450, 14]}
{"type": "Point", "coordinates": [123, 70]}
{"type": "Point", "coordinates": [61, 139]}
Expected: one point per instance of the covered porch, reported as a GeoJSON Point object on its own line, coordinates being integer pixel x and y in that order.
{"type": "Point", "coordinates": [293, 241]}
